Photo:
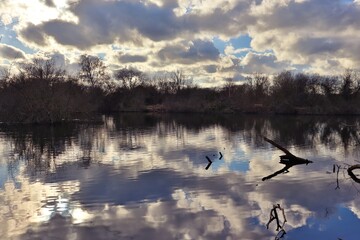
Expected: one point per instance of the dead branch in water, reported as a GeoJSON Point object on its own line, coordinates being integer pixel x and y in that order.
{"type": "Point", "coordinates": [288, 159]}
{"type": "Point", "coordinates": [275, 216]}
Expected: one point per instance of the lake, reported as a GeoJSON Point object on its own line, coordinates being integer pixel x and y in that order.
{"type": "Point", "coordinates": [143, 176]}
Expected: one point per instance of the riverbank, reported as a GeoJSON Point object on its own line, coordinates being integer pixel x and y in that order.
{"type": "Point", "coordinates": [97, 117]}
{"type": "Point", "coordinates": [255, 109]}
{"type": "Point", "coordinates": [56, 97]}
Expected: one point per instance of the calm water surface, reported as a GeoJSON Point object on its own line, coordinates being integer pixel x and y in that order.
{"type": "Point", "coordinates": [141, 176]}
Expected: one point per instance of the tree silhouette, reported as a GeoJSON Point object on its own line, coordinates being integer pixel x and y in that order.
{"type": "Point", "coordinates": [129, 78]}
{"type": "Point", "coordinates": [93, 71]}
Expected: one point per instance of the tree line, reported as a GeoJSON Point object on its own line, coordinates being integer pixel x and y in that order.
{"type": "Point", "coordinates": [42, 92]}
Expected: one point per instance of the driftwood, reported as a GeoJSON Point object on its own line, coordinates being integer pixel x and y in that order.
{"type": "Point", "coordinates": [288, 159]}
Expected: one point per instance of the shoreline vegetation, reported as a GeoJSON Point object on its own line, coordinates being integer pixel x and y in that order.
{"type": "Point", "coordinates": [41, 92]}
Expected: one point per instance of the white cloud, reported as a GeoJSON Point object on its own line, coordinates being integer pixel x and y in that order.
{"type": "Point", "coordinates": [6, 19]}
{"type": "Point", "coordinates": [230, 50]}
{"type": "Point", "coordinates": [304, 32]}
{"type": "Point", "coordinates": [322, 35]}
{"type": "Point", "coordinates": [10, 53]}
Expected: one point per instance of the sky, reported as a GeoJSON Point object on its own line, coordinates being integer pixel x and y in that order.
{"type": "Point", "coordinates": [209, 40]}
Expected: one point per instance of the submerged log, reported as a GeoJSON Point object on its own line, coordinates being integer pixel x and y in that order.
{"type": "Point", "coordinates": [288, 159]}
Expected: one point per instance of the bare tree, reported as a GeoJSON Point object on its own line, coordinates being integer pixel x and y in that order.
{"type": "Point", "coordinates": [162, 83]}
{"type": "Point", "coordinates": [38, 92]}
{"type": "Point", "coordinates": [93, 71]}
{"type": "Point", "coordinates": [129, 78]}
{"type": "Point", "coordinates": [229, 85]}
{"type": "Point", "coordinates": [329, 85]}
{"type": "Point", "coordinates": [301, 83]}
{"type": "Point", "coordinates": [313, 85]}
{"type": "Point", "coordinates": [42, 69]}
{"type": "Point", "coordinates": [177, 80]}
{"type": "Point", "coordinates": [259, 85]}
{"type": "Point", "coordinates": [283, 88]}
{"type": "Point", "coordinates": [5, 75]}
{"type": "Point", "coordinates": [172, 82]}
{"type": "Point", "coordinates": [350, 84]}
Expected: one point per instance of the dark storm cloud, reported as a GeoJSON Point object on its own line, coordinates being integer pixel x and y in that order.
{"type": "Point", "coordinates": [327, 15]}
{"type": "Point", "coordinates": [210, 68]}
{"type": "Point", "coordinates": [127, 58]}
{"type": "Point", "coordinates": [10, 52]}
{"type": "Point", "coordinates": [309, 46]}
{"type": "Point", "coordinates": [103, 22]}
{"type": "Point", "coordinates": [34, 34]}
{"type": "Point", "coordinates": [70, 34]}
{"type": "Point", "coordinates": [197, 51]}
{"type": "Point", "coordinates": [263, 63]}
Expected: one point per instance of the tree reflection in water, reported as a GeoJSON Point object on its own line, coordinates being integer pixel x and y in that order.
{"type": "Point", "coordinates": [40, 145]}
{"type": "Point", "coordinates": [68, 152]}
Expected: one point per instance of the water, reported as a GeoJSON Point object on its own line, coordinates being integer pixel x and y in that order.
{"type": "Point", "coordinates": [141, 176]}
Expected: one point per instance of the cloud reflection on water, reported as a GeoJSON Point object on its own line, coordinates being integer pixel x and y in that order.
{"type": "Point", "coordinates": [148, 181]}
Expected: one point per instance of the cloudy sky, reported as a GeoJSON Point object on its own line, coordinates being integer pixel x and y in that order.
{"type": "Point", "coordinates": [208, 39]}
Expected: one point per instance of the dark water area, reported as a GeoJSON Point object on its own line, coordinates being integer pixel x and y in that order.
{"type": "Point", "coordinates": [139, 176]}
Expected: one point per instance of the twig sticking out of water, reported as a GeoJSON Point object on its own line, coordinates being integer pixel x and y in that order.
{"type": "Point", "coordinates": [210, 162]}
{"type": "Point", "coordinates": [337, 175]}
{"type": "Point", "coordinates": [274, 216]}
